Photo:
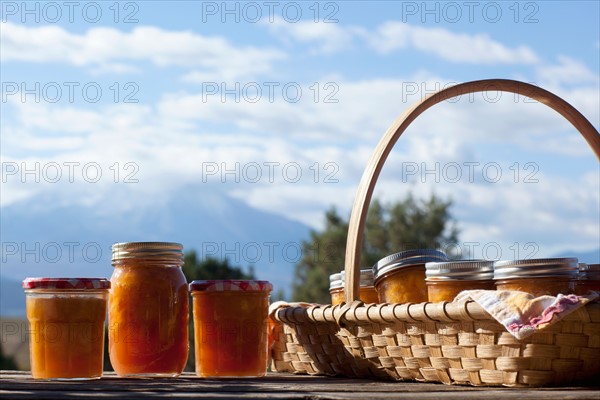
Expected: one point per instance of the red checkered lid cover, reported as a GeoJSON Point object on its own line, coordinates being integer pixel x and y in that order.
{"type": "Point", "coordinates": [231, 285]}
{"type": "Point", "coordinates": [66, 283]}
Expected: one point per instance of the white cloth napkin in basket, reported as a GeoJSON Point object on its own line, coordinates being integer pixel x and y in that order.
{"type": "Point", "coordinates": [522, 314]}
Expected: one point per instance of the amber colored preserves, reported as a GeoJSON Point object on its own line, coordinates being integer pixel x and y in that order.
{"type": "Point", "coordinates": [583, 287]}
{"type": "Point", "coordinates": [230, 330]}
{"type": "Point", "coordinates": [539, 286]}
{"type": "Point", "coordinates": [589, 279]}
{"type": "Point", "coordinates": [367, 292]}
{"type": "Point", "coordinates": [400, 277]}
{"type": "Point", "coordinates": [447, 290]}
{"type": "Point", "coordinates": [66, 332]}
{"type": "Point", "coordinates": [337, 296]}
{"type": "Point", "coordinates": [404, 285]}
{"type": "Point", "coordinates": [148, 313]}
{"type": "Point", "coordinates": [543, 276]}
{"type": "Point", "coordinates": [445, 280]}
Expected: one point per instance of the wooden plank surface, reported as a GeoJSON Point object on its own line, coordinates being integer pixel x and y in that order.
{"type": "Point", "coordinates": [20, 385]}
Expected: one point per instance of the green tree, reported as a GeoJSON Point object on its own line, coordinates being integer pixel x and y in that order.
{"type": "Point", "coordinates": [210, 268]}
{"type": "Point", "coordinates": [6, 363]}
{"type": "Point", "coordinates": [404, 225]}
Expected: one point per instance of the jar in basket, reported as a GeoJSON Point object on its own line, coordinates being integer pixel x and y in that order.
{"type": "Point", "coordinates": [367, 292]}
{"type": "Point", "coordinates": [538, 276]}
{"type": "Point", "coordinates": [445, 280]}
{"type": "Point", "coordinates": [588, 278]}
{"type": "Point", "coordinates": [400, 277]}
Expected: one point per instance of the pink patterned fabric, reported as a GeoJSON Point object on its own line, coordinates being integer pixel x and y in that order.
{"type": "Point", "coordinates": [522, 314]}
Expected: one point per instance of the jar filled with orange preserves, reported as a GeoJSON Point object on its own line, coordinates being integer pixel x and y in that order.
{"type": "Point", "coordinates": [541, 276]}
{"type": "Point", "coordinates": [400, 277]}
{"type": "Point", "coordinates": [445, 280]}
{"type": "Point", "coordinates": [367, 292]}
{"type": "Point", "coordinates": [231, 327]}
{"type": "Point", "coordinates": [588, 279]}
{"type": "Point", "coordinates": [148, 310]}
{"type": "Point", "coordinates": [66, 319]}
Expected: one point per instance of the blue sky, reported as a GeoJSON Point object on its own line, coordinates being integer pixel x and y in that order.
{"type": "Point", "coordinates": [162, 116]}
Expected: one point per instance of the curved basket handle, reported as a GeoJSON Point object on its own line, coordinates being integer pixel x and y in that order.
{"type": "Point", "coordinates": [362, 200]}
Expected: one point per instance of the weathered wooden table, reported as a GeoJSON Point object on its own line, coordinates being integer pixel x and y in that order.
{"type": "Point", "coordinates": [20, 385]}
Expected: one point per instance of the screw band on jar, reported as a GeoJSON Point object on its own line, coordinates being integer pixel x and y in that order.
{"type": "Point", "coordinates": [160, 251]}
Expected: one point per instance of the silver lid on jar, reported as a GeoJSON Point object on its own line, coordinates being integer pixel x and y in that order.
{"type": "Point", "coordinates": [589, 272]}
{"type": "Point", "coordinates": [406, 259]}
{"type": "Point", "coordinates": [465, 270]}
{"type": "Point", "coordinates": [536, 268]}
{"type": "Point", "coordinates": [159, 251]}
{"type": "Point", "coordinates": [337, 280]}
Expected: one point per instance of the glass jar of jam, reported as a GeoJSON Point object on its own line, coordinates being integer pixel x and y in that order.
{"type": "Point", "coordinates": [400, 277]}
{"type": "Point", "coordinates": [66, 319]}
{"type": "Point", "coordinates": [367, 292]}
{"type": "Point", "coordinates": [231, 327]}
{"type": "Point", "coordinates": [148, 310]}
{"type": "Point", "coordinates": [336, 288]}
{"type": "Point", "coordinates": [445, 280]}
{"type": "Point", "coordinates": [588, 278]}
{"type": "Point", "coordinates": [542, 276]}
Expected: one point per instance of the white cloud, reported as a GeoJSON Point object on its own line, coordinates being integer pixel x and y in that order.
{"type": "Point", "coordinates": [109, 50]}
{"type": "Point", "coordinates": [324, 38]}
{"type": "Point", "coordinates": [393, 35]}
{"type": "Point", "coordinates": [455, 47]}
{"type": "Point", "coordinates": [567, 71]}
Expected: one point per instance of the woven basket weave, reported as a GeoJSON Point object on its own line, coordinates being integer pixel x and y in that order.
{"type": "Point", "coordinates": [453, 343]}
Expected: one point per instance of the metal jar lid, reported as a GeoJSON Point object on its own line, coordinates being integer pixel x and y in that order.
{"type": "Point", "coordinates": [465, 270]}
{"type": "Point", "coordinates": [589, 272]}
{"type": "Point", "coordinates": [536, 268]}
{"type": "Point", "coordinates": [337, 280]}
{"type": "Point", "coordinates": [406, 259]}
{"type": "Point", "coordinates": [158, 251]}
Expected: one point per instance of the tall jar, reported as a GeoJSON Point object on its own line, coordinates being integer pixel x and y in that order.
{"type": "Point", "coordinates": [367, 292]}
{"type": "Point", "coordinates": [400, 277]}
{"type": "Point", "coordinates": [148, 310]}
{"type": "Point", "coordinates": [445, 280]}
{"type": "Point", "coordinates": [66, 319]}
{"type": "Point", "coordinates": [541, 276]}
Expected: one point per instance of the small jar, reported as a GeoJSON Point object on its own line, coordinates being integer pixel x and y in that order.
{"type": "Point", "coordinates": [400, 277]}
{"type": "Point", "coordinates": [66, 319]}
{"type": "Point", "coordinates": [588, 279]}
{"type": "Point", "coordinates": [231, 327]}
{"type": "Point", "coordinates": [336, 288]}
{"type": "Point", "coordinates": [367, 292]}
{"type": "Point", "coordinates": [148, 310]}
{"type": "Point", "coordinates": [542, 276]}
{"type": "Point", "coordinates": [445, 280]}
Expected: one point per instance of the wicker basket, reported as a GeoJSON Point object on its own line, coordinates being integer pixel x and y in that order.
{"type": "Point", "coordinates": [453, 343]}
